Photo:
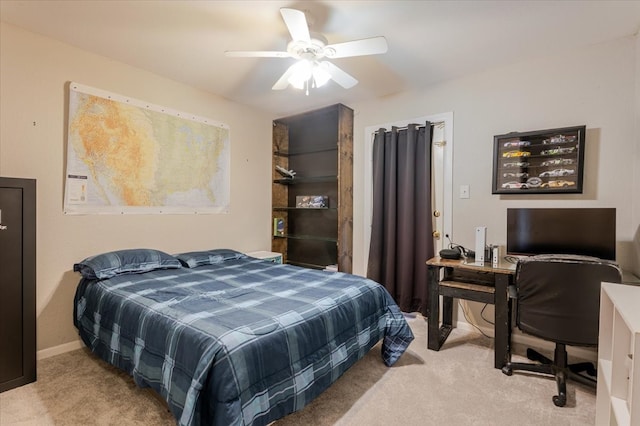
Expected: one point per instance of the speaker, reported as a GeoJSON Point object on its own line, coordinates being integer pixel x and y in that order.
{"type": "Point", "coordinates": [481, 239]}
{"type": "Point", "coordinates": [453, 253]}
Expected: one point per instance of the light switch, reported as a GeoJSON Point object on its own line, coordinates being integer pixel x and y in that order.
{"type": "Point", "coordinates": [464, 191]}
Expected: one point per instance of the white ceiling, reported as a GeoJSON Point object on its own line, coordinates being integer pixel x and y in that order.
{"type": "Point", "coordinates": [429, 41]}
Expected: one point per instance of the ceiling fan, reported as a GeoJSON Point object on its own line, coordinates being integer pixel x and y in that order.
{"type": "Point", "coordinates": [310, 50]}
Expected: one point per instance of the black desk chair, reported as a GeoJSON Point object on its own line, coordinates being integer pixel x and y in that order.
{"type": "Point", "coordinates": [558, 299]}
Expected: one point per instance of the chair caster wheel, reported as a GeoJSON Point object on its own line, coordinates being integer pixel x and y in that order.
{"type": "Point", "coordinates": [507, 370]}
{"type": "Point", "coordinates": [559, 400]}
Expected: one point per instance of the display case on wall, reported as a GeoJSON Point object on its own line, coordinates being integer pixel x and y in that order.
{"type": "Point", "coordinates": [543, 161]}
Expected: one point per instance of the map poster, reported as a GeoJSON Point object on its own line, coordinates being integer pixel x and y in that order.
{"type": "Point", "coordinates": [128, 156]}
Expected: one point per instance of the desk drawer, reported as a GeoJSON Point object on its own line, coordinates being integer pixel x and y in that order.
{"type": "Point", "coordinates": [468, 276]}
{"type": "Point", "coordinates": [468, 291]}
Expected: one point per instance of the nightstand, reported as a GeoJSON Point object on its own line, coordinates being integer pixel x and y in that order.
{"type": "Point", "coordinates": [266, 255]}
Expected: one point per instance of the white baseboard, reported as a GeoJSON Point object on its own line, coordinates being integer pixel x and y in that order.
{"type": "Point", "coordinates": [60, 349]}
{"type": "Point", "coordinates": [519, 339]}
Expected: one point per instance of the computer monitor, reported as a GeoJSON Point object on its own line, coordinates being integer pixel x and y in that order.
{"type": "Point", "coordinates": [582, 231]}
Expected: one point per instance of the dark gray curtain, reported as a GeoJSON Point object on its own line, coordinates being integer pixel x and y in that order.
{"type": "Point", "coordinates": [401, 240]}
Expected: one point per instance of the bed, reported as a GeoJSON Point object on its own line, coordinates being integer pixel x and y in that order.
{"type": "Point", "coordinates": [227, 339]}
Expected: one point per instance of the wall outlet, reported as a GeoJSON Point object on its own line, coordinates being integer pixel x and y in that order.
{"type": "Point", "coordinates": [464, 191]}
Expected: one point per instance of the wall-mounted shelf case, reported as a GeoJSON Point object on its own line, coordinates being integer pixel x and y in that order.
{"type": "Point", "coordinates": [539, 162]}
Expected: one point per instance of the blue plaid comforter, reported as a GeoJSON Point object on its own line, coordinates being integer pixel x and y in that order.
{"type": "Point", "coordinates": [243, 342]}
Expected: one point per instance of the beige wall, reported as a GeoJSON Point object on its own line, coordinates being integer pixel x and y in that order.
{"type": "Point", "coordinates": [594, 86]}
{"type": "Point", "coordinates": [34, 76]}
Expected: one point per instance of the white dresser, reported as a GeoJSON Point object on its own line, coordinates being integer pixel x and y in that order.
{"type": "Point", "coordinates": [618, 394]}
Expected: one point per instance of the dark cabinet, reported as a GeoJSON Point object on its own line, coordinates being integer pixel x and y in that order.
{"type": "Point", "coordinates": [313, 206]}
{"type": "Point", "coordinates": [17, 282]}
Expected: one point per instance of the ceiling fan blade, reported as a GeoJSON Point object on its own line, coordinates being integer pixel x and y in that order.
{"type": "Point", "coordinates": [339, 76]}
{"type": "Point", "coordinates": [283, 81]}
{"type": "Point", "coordinates": [366, 46]}
{"type": "Point", "coordinates": [296, 23]}
{"type": "Point", "coordinates": [255, 54]}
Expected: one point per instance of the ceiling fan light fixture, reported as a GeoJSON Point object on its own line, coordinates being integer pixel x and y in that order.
{"type": "Point", "coordinates": [302, 71]}
{"type": "Point", "coordinates": [306, 73]}
{"type": "Point", "coordinates": [320, 75]}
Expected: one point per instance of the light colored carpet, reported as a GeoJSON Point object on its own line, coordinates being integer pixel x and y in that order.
{"type": "Point", "coordinates": [455, 386]}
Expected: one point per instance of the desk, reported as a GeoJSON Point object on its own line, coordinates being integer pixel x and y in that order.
{"type": "Point", "coordinates": [468, 281]}
{"type": "Point", "coordinates": [630, 278]}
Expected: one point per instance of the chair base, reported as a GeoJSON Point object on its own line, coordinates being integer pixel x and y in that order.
{"type": "Point", "coordinates": [557, 368]}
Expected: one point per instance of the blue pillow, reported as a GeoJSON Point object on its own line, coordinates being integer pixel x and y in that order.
{"type": "Point", "coordinates": [194, 259]}
{"type": "Point", "coordinates": [131, 261]}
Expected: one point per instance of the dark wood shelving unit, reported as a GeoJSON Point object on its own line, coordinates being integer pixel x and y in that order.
{"type": "Point", "coordinates": [318, 146]}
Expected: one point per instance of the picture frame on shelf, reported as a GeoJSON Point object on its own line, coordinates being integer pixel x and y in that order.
{"type": "Point", "coordinates": [539, 162]}
{"type": "Point", "coordinates": [312, 201]}
{"type": "Point", "coordinates": [278, 227]}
